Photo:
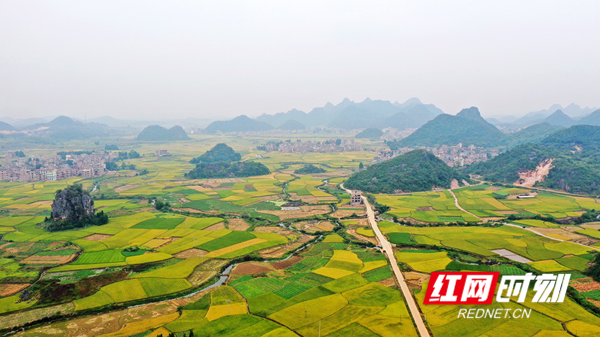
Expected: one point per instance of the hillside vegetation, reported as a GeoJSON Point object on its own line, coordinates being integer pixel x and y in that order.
{"type": "Point", "coordinates": [576, 154]}
{"type": "Point", "coordinates": [417, 170]}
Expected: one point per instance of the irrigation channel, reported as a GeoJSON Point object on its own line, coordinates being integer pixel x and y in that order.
{"type": "Point", "coordinates": [227, 271]}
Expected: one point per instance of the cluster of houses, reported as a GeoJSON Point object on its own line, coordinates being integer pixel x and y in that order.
{"type": "Point", "coordinates": [331, 145]}
{"type": "Point", "coordinates": [33, 168]}
{"type": "Point", "coordinates": [453, 156]}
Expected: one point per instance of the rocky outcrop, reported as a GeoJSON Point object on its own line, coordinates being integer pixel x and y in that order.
{"type": "Point", "coordinates": [72, 203]}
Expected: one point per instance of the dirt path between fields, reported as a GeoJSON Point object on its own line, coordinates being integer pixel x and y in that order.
{"type": "Point", "coordinates": [459, 207]}
{"type": "Point", "coordinates": [389, 251]}
{"type": "Point", "coordinates": [548, 237]}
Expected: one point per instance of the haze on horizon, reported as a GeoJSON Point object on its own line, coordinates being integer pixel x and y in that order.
{"type": "Point", "coordinates": [217, 60]}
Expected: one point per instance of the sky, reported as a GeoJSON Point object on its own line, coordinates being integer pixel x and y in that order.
{"type": "Point", "coordinates": [219, 59]}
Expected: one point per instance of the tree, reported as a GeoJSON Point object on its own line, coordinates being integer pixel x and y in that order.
{"type": "Point", "coordinates": [338, 142]}
{"type": "Point", "coordinates": [594, 269]}
{"type": "Point", "coordinates": [361, 166]}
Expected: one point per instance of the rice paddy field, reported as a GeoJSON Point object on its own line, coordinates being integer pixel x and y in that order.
{"type": "Point", "coordinates": [139, 274]}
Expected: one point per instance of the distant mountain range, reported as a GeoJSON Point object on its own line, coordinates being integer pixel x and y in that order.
{"type": "Point", "coordinates": [241, 123]}
{"type": "Point", "coordinates": [345, 115]}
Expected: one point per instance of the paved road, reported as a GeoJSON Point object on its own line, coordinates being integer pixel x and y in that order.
{"type": "Point", "coordinates": [460, 207]}
{"type": "Point", "coordinates": [389, 251]}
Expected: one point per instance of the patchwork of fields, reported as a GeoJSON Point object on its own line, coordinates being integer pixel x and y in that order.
{"type": "Point", "coordinates": [337, 287]}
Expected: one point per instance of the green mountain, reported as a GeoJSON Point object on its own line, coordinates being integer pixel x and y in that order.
{"type": "Point", "coordinates": [64, 128]}
{"type": "Point", "coordinates": [220, 152]}
{"type": "Point", "coordinates": [241, 123]}
{"type": "Point", "coordinates": [559, 118]}
{"type": "Point", "coordinates": [292, 125]}
{"type": "Point", "coordinates": [417, 170]}
{"type": "Point", "coordinates": [467, 127]}
{"type": "Point", "coordinates": [591, 119]}
{"type": "Point", "coordinates": [575, 154]}
{"type": "Point", "coordinates": [6, 127]}
{"type": "Point", "coordinates": [370, 133]}
{"type": "Point", "coordinates": [533, 134]}
{"type": "Point", "coordinates": [227, 170]}
{"type": "Point", "coordinates": [159, 133]}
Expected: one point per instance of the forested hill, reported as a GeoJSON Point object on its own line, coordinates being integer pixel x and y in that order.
{"type": "Point", "coordinates": [576, 161]}
{"type": "Point", "coordinates": [467, 127]}
{"type": "Point", "coordinates": [220, 152]}
{"type": "Point", "coordinates": [223, 162]}
{"type": "Point", "coordinates": [417, 170]}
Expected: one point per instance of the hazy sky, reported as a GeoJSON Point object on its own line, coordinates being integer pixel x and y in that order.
{"type": "Point", "coordinates": [219, 59]}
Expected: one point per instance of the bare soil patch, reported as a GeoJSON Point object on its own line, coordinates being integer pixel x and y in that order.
{"type": "Point", "coordinates": [274, 229]}
{"type": "Point", "coordinates": [237, 224]}
{"type": "Point", "coordinates": [305, 211]}
{"type": "Point", "coordinates": [454, 184]}
{"type": "Point", "coordinates": [591, 225]}
{"type": "Point", "coordinates": [426, 208]}
{"type": "Point", "coordinates": [12, 288]}
{"type": "Point", "coordinates": [314, 226]}
{"type": "Point", "coordinates": [388, 282]}
{"type": "Point", "coordinates": [193, 210]}
{"type": "Point", "coordinates": [325, 226]}
{"type": "Point", "coordinates": [586, 286]}
{"type": "Point", "coordinates": [287, 263]}
{"type": "Point", "coordinates": [190, 253]}
{"type": "Point", "coordinates": [219, 225]}
{"type": "Point", "coordinates": [250, 268]}
{"type": "Point", "coordinates": [126, 187]}
{"type": "Point", "coordinates": [362, 237]}
{"type": "Point", "coordinates": [48, 259]}
{"type": "Point", "coordinates": [280, 251]}
{"type": "Point", "coordinates": [506, 212]}
{"type": "Point", "coordinates": [97, 237]}
{"type": "Point", "coordinates": [568, 232]}
{"type": "Point", "coordinates": [311, 199]}
{"type": "Point", "coordinates": [344, 213]}
{"type": "Point", "coordinates": [529, 178]}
